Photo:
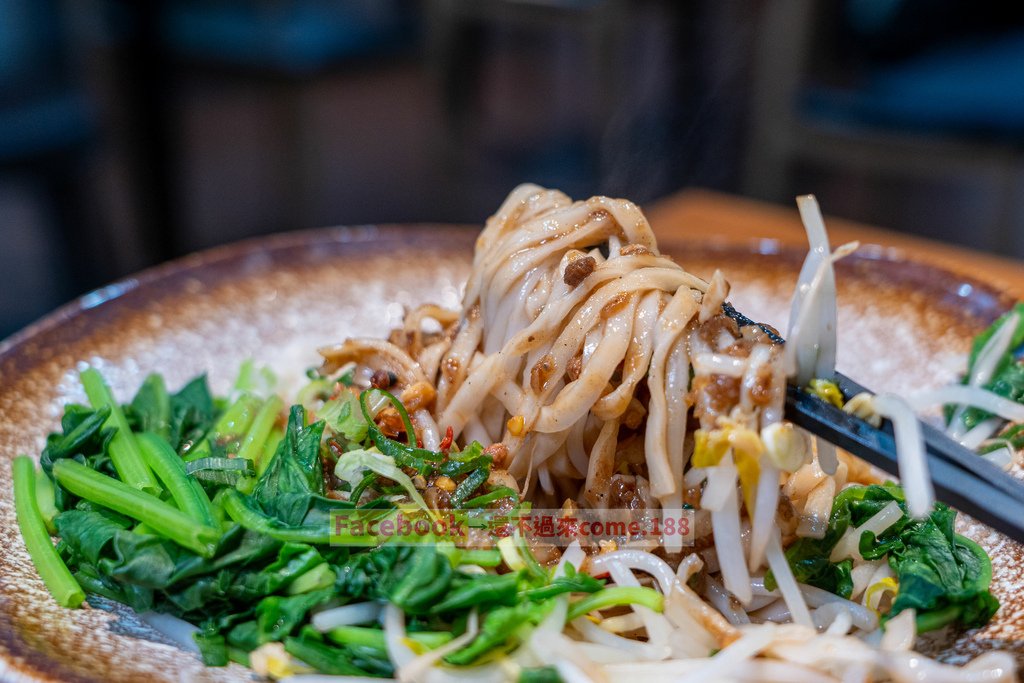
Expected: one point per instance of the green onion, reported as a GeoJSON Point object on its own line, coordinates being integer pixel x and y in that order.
{"type": "Point", "coordinates": [124, 451]}
{"type": "Point", "coordinates": [170, 469]}
{"type": "Point", "coordinates": [55, 574]}
{"type": "Point", "coordinates": [481, 558]}
{"type": "Point", "coordinates": [617, 595]}
{"type": "Point", "coordinates": [468, 485]}
{"type": "Point", "coordinates": [243, 515]}
{"type": "Point", "coordinates": [256, 437]}
{"type": "Point", "coordinates": [490, 497]}
{"type": "Point", "coordinates": [404, 455]}
{"type": "Point", "coordinates": [162, 517]}
{"type": "Point", "coordinates": [363, 484]}
{"type": "Point", "coordinates": [362, 636]}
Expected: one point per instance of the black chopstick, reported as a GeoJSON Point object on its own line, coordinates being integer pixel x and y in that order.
{"type": "Point", "coordinates": [961, 478]}
{"type": "Point", "coordinates": [940, 445]}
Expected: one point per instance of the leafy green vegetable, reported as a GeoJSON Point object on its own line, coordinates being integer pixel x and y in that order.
{"type": "Point", "coordinates": [1008, 377]}
{"type": "Point", "coordinates": [334, 661]}
{"type": "Point", "coordinates": [150, 410]}
{"type": "Point", "coordinates": [252, 444]}
{"type": "Point", "coordinates": [498, 630]}
{"type": "Point", "coordinates": [262, 563]}
{"type": "Point", "coordinates": [118, 496]}
{"type": "Point", "coordinates": [253, 379]}
{"type": "Point", "coordinates": [193, 412]}
{"type": "Point", "coordinates": [344, 416]}
{"type": "Point", "coordinates": [943, 576]}
{"type": "Point", "coordinates": [352, 465]}
{"type": "Point", "coordinates": [122, 449]}
{"type": "Point", "coordinates": [222, 471]}
{"type": "Point", "coordinates": [188, 495]}
{"type": "Point", "coordinates": [541, 674]}
{"type": "Point", "coordinates": [294, 475]}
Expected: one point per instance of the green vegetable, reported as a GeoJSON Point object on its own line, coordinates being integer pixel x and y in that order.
{"type": "Point", "coordinates": [344, 416]}
{"type": "Point", "coordinates": [118, 496]}
{"type": "Point", "coordinates": [150, 410]}
{"type": "Point", "coordinates": [572, 582]}
{"type": "Point", "coordinates": [332, 661]}
{"type": "Point", "coordinates": [253, 379]}
{"type": "Point", "coordinates": [220, 471]}
{"type": "Point", "coordinates": [470, 484]}
{"type": "Point", "coordinates": [188, 495]}
{"type": "Point", "coordinates": [498, 630]}
{"type": "Point", "coordinates": [491, 496]}
{"type": "Point", "coordinates": [352, 465]}
{"type": "Point", "coordinates": [482, 590]}
{"type": "Point", "coordinates": [419, 459]}
{"type": "Point", "coordinates": [55, 574]}
{"type": "Point", "coordinates": [228, 430]}
{"type": "Point", "coordinates": [542, 674]}
{"type": "Point", "coordinates": [294, 475]}
{"type": "Point", "coordinates": [1008, 377]}
{"type": "Point", "coordinates": [374, 637]}
{"type": "Point", "coordinates": [45, 501]}
{"type": "Point", "coordinates": [1012, 437]}
{"type": "Point", "coordinates": [943, 576]}
{"type": "Point", "coordinates": [124, 452]}
{"type": "Point", "coordinates": [317, 578]}
{"type": "Point", "coordinates": [259, 431]}
{"type": "Point", "coordinates": [242, 512]}
{"type": "Point", "coordinates": [617, 595]}
{"type": "Point", "coordinates": [192, 414]}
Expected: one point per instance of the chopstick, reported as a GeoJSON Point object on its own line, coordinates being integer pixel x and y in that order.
{"type": "Point", "coordinates": [961, 477]}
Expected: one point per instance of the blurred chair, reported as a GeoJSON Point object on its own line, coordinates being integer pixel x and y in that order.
{"type": "Point", "coordinates": [284, 45]}
{"type": "Point", "coordinates": [288, 38]}
{"type": "Point", "coordinates": [281, 45]}
{"type": "Point", "coordinates": [905, 107]}
{"type": "Point", "coordinates": [47, 131]}
{"type": "Point", "coordinates": [456, 32]}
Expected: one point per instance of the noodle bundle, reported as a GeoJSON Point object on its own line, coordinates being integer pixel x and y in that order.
{"type": "Point", "coordinates": [599, 373]}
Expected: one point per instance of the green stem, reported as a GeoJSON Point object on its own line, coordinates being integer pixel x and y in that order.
{"type": "Point", "coordinates": [55, 574]}
{"type": "Point", "coordinates": [45, 501]}
{"type": "Point", "coordinates": [270, 447]}
{"type": "Point", "coordinates": [187, 493]}
{"type": "Point", "coordinates": [936, 619]}
{"type": "Point", "coordinates": [480, 557]}
{"type": "Point", "coordinates": [259, 431]}
{"type": "Point", "coordinates": [124, 451]}
{"type": "Point", "coordinates": [617, 595]}
{"type": "Point", "coordinates": [243, 515]}
{"type": "Point", "coordinates": [362, 636]}
{"type": "Point", "coordinates": [320, 576]}
{"type": "Point", "coordinates": [162, 517]}
{"type": "Point", "coordinates": [232, 425]}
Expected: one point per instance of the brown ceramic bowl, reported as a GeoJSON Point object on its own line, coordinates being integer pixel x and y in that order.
{"type": "Point", "coordinates": [903, 325]}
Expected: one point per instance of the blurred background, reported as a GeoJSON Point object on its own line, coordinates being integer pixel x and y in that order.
{"type": "Point", "coordinates": [133, 132]}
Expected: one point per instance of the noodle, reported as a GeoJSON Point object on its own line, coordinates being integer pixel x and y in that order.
{"type": "Point", "coordinates": [608, 376]}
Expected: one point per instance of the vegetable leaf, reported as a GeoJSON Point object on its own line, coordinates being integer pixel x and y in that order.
{"type": "Point", "coordinates": [294, 475]}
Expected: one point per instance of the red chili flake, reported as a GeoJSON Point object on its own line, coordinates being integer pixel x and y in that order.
{"type": "Point", "coordinates": [446, 442]}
